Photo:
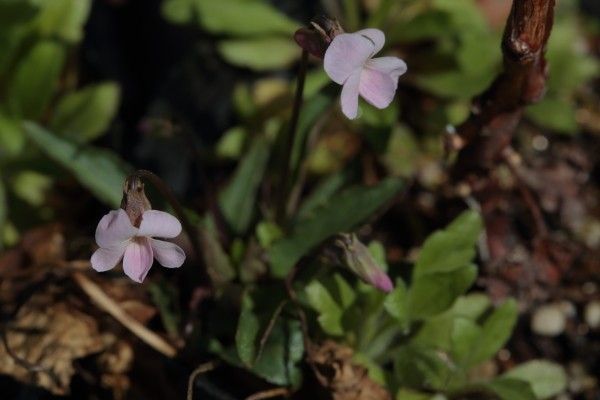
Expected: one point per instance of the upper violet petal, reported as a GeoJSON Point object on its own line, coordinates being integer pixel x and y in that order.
{"type": "Point", "coordinates": [159, 224]}
{"type": "Point", "coordinates": [393, 66]}
{"type": "Point", "coordinates": [167, 254]}
{"type": "Point", "coordinates": [375, 36]}
{"type": "Point", "coordinates": [349, 98]}
{"type": "Point", "coordinates": [377, 88]}
{"type": "Point", "coordinates": [106, 258]}
{"type": "Point", "coordinates": [114, 228]}
{"type": "Point", "coordinates": [347, 53]}
{"type": "Point", "coordinates": [138, 259]}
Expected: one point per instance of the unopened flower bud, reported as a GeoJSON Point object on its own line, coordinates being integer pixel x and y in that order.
{"type": "Point", "coordinates": [317, 38]}
{"type": "Point", "coordinates": [353, 254]}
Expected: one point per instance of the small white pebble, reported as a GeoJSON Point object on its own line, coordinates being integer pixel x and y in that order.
{"type": "Point", "coordinates": [539, 142]}
{"type": "Point", "coordinates": [592, 314]}
{"type": "Point", "coordinates": [549, 320]}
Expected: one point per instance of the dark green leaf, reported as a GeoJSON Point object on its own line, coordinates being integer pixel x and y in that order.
{"type": "Point", "coordinates": [84, 115]}
{"type": "Point", "coordinates": [247, 333]}
{"type": "Point", "coordinates": [99, 170]}
{"type": "Point", "coordinates": [343, 212]}
{"type": "Point", "coordinates": [238, 200]}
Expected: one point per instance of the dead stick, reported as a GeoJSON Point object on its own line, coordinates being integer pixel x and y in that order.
{"type": "Point", "coordinates": [104, 302]}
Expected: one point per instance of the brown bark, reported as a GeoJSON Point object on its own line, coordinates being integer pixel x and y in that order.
{"type": "Point", "coordinates": [497, 112]}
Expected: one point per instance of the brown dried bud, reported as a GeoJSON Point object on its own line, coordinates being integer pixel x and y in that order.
{"type": "Point", "coordinates": [134, 200]}
{"type": "Point", "coordinates": [317, 38]}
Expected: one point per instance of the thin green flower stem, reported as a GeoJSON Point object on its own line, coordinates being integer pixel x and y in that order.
{"type": "Point", "coordinates": [167, 193]}
{"type": "Point", "coordinates": [288, 146]}
{"type": "Point", "coordinates": [377, 19]}
{"type": "Point", "coordinates": [352, 14]}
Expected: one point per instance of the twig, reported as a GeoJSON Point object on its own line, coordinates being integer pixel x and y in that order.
{"type": "Point", "coordinates": [201, 369]}
{"type": "Point", "coordinates": [104, 302]}
{"type": "Point", "coordinates": [496, 113]}
{"type": "Point", "coordinates": [288, 144]}
{"type": "Point", "coordinates": [268, 394]}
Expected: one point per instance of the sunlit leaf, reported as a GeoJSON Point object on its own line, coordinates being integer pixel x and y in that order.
{"type": "Point", "coordinates": [35, 79]}
{"type": "Point", "coordinates": [263, 53]}
{"type": "Point", "coordinates": [84, 115]}
{"type": "Point", "coordinates": [63, 18]}
{"type": "Point", "coordinates": [546, 378]}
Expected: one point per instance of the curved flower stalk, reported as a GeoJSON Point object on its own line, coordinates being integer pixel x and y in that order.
{"type": "Point", "coordinates": [129, 234]}
{"type": "Point", "coordinates": [349, 61]}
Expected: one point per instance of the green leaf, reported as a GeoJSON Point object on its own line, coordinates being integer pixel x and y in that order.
{"type": "Point", "coordinates": [547, 379]}
{"type": "Point", "coordinates": [554, 113]}
{"type": "Point", "coordinates": [179, 11]}
{"type": "Point", "coordinates": [496, 330]}
{"type": "Point", "coordinates": [165, 297]}
{"type": "Point", "coordinates": [407, 394]}
{"type": "Point", "coordinates": [451, 248]}
{"type": "Point", "coordinates": [421, 367]}
{"type": "Point", "coordinates": [435, 293]}
{"type": "Point", "coordinates": [247, 333]}
{"type": "Point", "coordinates": [267, 233]}
{"type": "Point", "coordinates": [237, 201]}
{"type": "Point", "coordinates": [15, 12]}
{"type": "Point", "coordinates": [465, 333]}
{"type": "Point", "coordinates": [282, 353]}
{"type": "Point", "coordinates": [84, 115]}
{"type": "Point", "coordinates": [471, 306]}
{"type": "Point", "coordinates": [330, 299]}
{"type": "Point", "coordinates": [3, 212]}
{"type": "Point", "coordinates": [99, 170]}
{"type": "Point", "coordinates": [321, 194]}
{"type": "Point", "coordinates": [510, 389]}
{"type": "Point", "coordinates": [343, 212]}
{"type": "Point", "coordinates": [260, 54]}
{"type": "Point", "coordinates": [243, 17]}
{"type": "Point", "coordinates": [396, 302]}
{"type": "Point", "coordinates": [35, 80]}
{"type": "Point", "coordinates": [64, 19]}
{"type": "Point", "coordinates": [12, 139]}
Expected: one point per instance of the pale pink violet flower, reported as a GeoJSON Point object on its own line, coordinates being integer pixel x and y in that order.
{"type": "Point", "coordinates": [120, 240]}
{"type": "Point", "coordinates": [349, 61]}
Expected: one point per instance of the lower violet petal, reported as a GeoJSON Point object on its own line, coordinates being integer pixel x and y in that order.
{"type": "Point", "coordinates": [350, 95]}
{"type": "Point", "coordinates": [377, 88]}
{"type": "Point", "coordinates": [138, 259]}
